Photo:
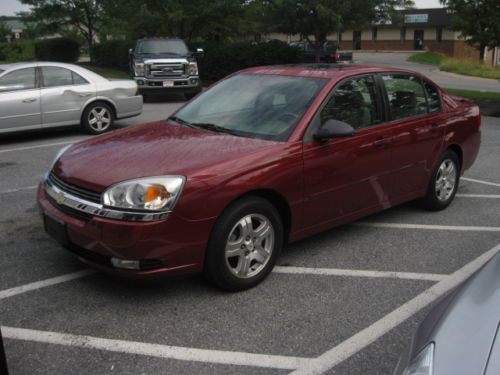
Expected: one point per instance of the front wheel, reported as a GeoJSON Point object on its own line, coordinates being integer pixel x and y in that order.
{"type": "Point", "coordinates": [244, 245]}
{"type": "Point", "coordinates": [444, 182]}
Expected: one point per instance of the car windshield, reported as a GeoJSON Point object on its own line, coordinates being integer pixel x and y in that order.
{"type": "Point", "coordinates": [176, 47]}
{"type": "Point", "coordinates": [250, 105]}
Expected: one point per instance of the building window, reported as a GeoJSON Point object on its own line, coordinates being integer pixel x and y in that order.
{"type": "Point", "coordinates": [374, 33]}
{"type": "Point", "coordinates": [439, 34]}
{"type": "Point", "coordinates": [402, 35]}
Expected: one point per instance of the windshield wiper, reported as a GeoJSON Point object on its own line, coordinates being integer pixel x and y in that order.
{"type": "Point", "coordinates": [181, 121]}
{"type": "Point", "coordinates": [215, 128]}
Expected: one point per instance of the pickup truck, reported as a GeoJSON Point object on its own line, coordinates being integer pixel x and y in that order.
{"type": "Point", "coordinates": [330, 53]}
{"type": "Point", "coordinates": [164, 65]}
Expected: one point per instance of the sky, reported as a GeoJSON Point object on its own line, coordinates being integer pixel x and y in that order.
{"type": "Point", "coordinates": [10, 7]}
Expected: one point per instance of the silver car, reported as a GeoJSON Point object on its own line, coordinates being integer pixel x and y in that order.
{"type": "Point", "coordinates": [40, 95]}
{"type": "Point", "coordinates": [461, 334]}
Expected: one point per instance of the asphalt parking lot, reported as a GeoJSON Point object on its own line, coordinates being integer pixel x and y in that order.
{"type": "Point", "coordinates": [342, 302]}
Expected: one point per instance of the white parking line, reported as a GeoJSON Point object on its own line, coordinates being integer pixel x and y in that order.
{"type": "Point", "coordinates": [359, 273]}
{"type": "Point", "coordinates": [490, 196]}
{"type": "Point", "coordinates": [44, 283]}
{"type": "Point", "coordinates": [426, 226]}
{"type": "Point", "coordinates": [156, 350]}
{"type": "Point", "coordinates": [372, 333]}
{"type": "Point", "coordinates": [480, 181]}
{"type": "Point", "coordinates": [19, 189]}
{"type": "Point", "coordinates": [41, 146]}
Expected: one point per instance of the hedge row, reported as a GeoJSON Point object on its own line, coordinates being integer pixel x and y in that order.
{"type": "Point", "coordinates": [220, 59]}
{"type": "Point", "coordinates": [112, 54]}
{"type": "Point", "coordinates": [57, 49]}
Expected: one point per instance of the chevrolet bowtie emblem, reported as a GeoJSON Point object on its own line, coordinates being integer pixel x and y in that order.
{"type": "Point", "coordinates": [59, 197]}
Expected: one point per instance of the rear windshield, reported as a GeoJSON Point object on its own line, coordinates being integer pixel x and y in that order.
{"type": "Point", "coordinates": [175, 47]}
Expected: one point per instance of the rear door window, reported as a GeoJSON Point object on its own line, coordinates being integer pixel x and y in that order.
{"type": "Point", "coordinates": [55, 76]}
{"type": "Point", "coordinates": [405, 95]}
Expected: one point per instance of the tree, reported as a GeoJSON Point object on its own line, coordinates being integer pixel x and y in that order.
{"type": "Point", "coordinates": [193, 19]}
{"type": "Point", "coordinates": [55, 15]}
{"type": "Point", "coordinates": [315, 19]}
{"type": "Point", "coordinates": [4, 31]}
{"type": "Point", "coordinates": [478, 21]}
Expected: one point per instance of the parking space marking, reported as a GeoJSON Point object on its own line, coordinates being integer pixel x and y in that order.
{"type": "Point", "coordinates": [19, 189]}
{"type": "Point", "coordinates": [359, 273]}
{"type": "Point", "coordinates": [41, 146]}
{"type": "Point", "coordinates": [490, 196]}
{"type": "Point", "coordinates": [480, 181]}
{"type": "Point", "coordinates": [156, 350]}
{"type": "Point", "coordinates": [44, 283]}
{"type": "Point", "coordinates": [426, 226]}
{"type": "Point", "coordinates": [362, 339]}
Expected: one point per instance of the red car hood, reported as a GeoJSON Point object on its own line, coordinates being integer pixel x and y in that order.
{"type": "Point", "coordinates": [150, 150]}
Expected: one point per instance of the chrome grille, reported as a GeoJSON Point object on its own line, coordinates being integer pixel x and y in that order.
{"type": "Point", "coordinates": [74, 190]}
{"type": "Point", "coordinates": [166, 70]}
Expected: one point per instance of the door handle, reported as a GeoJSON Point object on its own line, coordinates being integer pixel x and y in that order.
{"type": "Point", "coordinates": [381, 143]}
{"type": "Point", "coordinates": [434, 128]}
{"type": "Point", "coordinates": [29, 100]}
{"type": "Point", "coordinates": [84, 95]}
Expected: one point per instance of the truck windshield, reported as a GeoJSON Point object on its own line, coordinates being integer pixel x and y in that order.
{"type": "Point", "coordinates": [176, 47]}
{"type": "Point", "coordinates": [253, 105]}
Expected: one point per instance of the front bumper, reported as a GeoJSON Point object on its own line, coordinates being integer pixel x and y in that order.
{"type": "Point", "coordinates": [168, 247]}
{"type": "Point", "coordinates": [185, 84]}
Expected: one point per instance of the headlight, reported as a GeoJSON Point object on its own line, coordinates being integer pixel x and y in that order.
{"type": "Point", "coordinates": [193, 69]}
{"type": "Point", "coordinates": [423, 363]}
{"type": "Point", "coordinates": [147, 194]}
{"type": "Point", "coordinates": [59, 154]}
{"type": "Point", "coordinates": [139, 69]}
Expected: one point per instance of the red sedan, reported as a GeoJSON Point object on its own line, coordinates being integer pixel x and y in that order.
{"type": "Point", "coordinates": [265, 157]}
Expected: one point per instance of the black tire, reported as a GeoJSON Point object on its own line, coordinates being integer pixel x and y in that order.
{"type": "Point", "coordinates": [190, 95]}
{"type": "Point", "coordinates": [218, 269]}
{"type": "Point", "coordinates": [431, 201]}
{"type": "Point", "coordinates": [88, 116]}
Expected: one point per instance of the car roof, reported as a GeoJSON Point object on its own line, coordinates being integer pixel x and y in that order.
{"type": "Point", "coordinates": [77, 68]}
{"type": "Point", "coordinates": [328, 71]}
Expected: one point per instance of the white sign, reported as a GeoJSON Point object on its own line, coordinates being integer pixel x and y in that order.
{"type": "Point", "coordinates": [416, 18]}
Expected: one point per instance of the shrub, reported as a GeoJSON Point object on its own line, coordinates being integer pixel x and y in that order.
{"type": "Point", "coordinates": [22, 50]}
{"type": "Point", "coordinates": [112, 53]}
{"type": "Point", "coordinates": [222, 59]}
{"type": "Point", "coordinates": [57, 49]}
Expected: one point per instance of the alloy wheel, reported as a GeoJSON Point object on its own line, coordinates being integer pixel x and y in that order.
{"type": "Point", "coordinates": [249, 245]}
{"type": "Point", "coordinates": [99, 118]}
{"type": "Point", "coordinates": [446, 179]}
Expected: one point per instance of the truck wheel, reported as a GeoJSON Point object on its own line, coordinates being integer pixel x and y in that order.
{"type": "Point", "coordinates": [244, 245]}
{"type": "Point", "coordinates": [97, 118]}
{"type": "Point", "coordinates": [191, 95]}
{"type": "Point", "coordinates": [444, 182]}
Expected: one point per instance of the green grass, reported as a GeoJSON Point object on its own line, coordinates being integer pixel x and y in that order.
{"type": "Point", "coordinates": [469, 68]}
{"type": "Point", "coordinates": [106, 72]}
{"type": "Point", "coordinates": [463, 67]}
{"type": "Point", "coordinates": [475, 95]}
{"type": "Point", "coordinates": [427, 58]}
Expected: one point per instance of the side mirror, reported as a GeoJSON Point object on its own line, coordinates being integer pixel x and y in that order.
{"type": "Point", "coordinates": [130, 51]}
{"type": "Point", "coordinates": [199, 52]}
{"type": "Point", "coordinates": [334, 129]}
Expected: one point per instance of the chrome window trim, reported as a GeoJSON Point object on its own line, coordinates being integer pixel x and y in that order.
{"type": "Point", "coordinates": [65, 199]}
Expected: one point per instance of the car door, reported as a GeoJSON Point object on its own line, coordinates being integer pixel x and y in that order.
{"type": "Point", "coordinates": [417, 122]}
{"type": "Point", "coordinates": [19, 100]}
{"type": "Point", "coordinates": [345, 177]}
{"type": "Point", "coordinates": [63, 95]}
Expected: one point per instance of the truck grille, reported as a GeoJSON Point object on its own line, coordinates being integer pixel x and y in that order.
{"type": "Point", "coordinates": [166, 70]}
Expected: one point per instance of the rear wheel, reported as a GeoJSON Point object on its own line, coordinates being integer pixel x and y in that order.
{"type": "Point", "coordinates": [97, 118]}
{"type": "Point", "coordinates": [444, 182]}
{"type": "Point", "coordinates": [244, 245]}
